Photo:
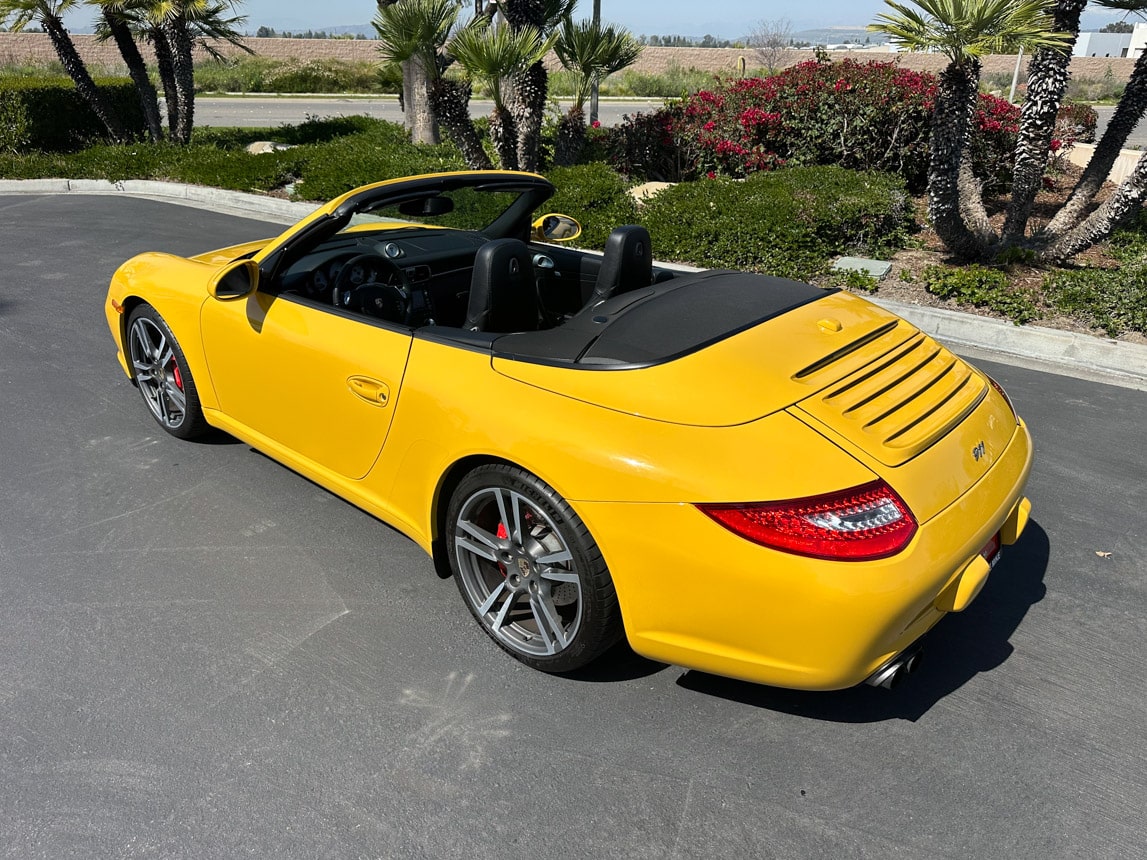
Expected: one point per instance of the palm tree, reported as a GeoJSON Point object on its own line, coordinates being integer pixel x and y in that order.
{"type": "Point", "coordinates": [964, 31]}
{"type": "Point", "coordinates": [496, 56]}
{"type": "Point", "coordinates": [1048, 74]}
{"type": "Point", "coordinates": [412, 33]}
{"type": "Point", "coordinates": [531, 84]}
{"type": "Point", "coordinates": [592, 53]}
{"type": "Point", "coordinates": [49, 14]}
{"type": "Point", "coordinates": [115, 23]}
{"type": "Point", "coordinates": [1130, 110]}
{"type": "Point", "coordinates": [174, 28]}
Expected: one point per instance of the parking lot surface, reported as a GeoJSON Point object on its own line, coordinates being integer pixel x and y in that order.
{"type": "Point", "coordinates": [203, 654]}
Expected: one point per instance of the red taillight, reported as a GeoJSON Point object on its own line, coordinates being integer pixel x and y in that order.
{"type": "Point", "coordinates": [865, 522]}
{"type": "Point", "coordinates": [1000, 390]}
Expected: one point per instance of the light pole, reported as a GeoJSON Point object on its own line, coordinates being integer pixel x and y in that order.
{"type": "Point", "coordinates": [593, 92]}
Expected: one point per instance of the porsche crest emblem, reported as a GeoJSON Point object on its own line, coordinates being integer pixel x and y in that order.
{"type": "Point", "coordinates": [524, 566]}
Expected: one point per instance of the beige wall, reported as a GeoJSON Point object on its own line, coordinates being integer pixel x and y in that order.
{"type": "Point", "coordinates": [20, 48]}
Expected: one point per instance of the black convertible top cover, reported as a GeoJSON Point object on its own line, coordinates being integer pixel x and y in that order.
{"type": "Point", "coordinates": [662, 322]}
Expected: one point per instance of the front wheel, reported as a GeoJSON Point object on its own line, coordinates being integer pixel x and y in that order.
{"type": "Point", "coordinates": [161, 372]}
{"type": "Point", "coordinates": [529, 570]}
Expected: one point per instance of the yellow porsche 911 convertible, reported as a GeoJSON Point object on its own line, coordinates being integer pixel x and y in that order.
{"type": "Point", "coordinates": [736, 473]}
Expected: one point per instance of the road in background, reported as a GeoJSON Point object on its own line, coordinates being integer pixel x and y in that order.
{"type": "Point", "coordinates": [260, 111]}
{"type": "Point", "coordinates": [203, 654]}
{"type": "Point", "coordinates": [1136, 140]}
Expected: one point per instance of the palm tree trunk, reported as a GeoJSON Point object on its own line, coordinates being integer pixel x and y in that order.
{"type": "Point", "coordinates": [166, 66]}
{"type": "Point", "coordinates": [78, 72]}
{"type": "Point", "coordinates": [955, 100]}
{"type": "Point", "coordinates": [450, 102]}
{"type": "Point", "coordinates": [972, 208]}
{"type": "Point", "coordinates": [179, 40]}
{"type": "Point", "coordinates": [1048, 74]}
{"type": "Point", "coordinates": [416, 103]}
{"type": "Point", "coordinates": [1130, 110]}
{"type": "Point", "coordinates": [570, 137]}
{"type": "Point", "coordinates": [137, 68]}
{"type": "Point", "coordinates": [504, 133]}
{"type": "Point", "coordinates": [529, 108]}
{"type": "Point", "coordinates": [529, 100]}
{"type": "Point", "coordinates": [1118, 208]}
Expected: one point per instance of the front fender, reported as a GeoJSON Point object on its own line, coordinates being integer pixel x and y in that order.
{"type": "Point", "coordinates": [176, 288]}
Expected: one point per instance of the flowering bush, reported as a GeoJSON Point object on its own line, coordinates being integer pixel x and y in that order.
{"type": "Point", "coordinates": [863, 116]}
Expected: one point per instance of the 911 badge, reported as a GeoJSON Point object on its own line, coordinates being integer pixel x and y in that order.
{"type": "Point", "coordinates": [979, 452]}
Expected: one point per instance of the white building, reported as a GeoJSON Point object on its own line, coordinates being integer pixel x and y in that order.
{"type": "Point", "coordinates": [1112, 44]}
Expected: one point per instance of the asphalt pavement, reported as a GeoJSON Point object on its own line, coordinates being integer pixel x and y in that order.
{"type": "Point", "coordinates": [204, 655]}
{"type": "Point", "coordinates": [271, 111]}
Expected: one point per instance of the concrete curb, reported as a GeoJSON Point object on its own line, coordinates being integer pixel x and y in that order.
{"type": "Point", "coordinates": [1057, 351]}
{"type": "Point", "coordinates": [1063, 352]}
{"type": "Point", "coordinates": [199, 196]}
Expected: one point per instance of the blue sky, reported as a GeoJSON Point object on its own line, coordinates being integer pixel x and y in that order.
{"type": "Point", "coordinates": [727, 19]}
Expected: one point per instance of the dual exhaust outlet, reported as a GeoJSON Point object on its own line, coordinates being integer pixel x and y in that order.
{"type": "Point", "coordinates": [897, 669]}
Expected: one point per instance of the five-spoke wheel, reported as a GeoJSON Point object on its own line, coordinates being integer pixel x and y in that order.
{"type": "Point", "coordinates": [530, 571]}
{"type": "Point", "coordinates": [161, 373]}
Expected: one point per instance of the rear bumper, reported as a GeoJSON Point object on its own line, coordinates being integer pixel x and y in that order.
{"type": "Point", "coordinates": [694, 594]}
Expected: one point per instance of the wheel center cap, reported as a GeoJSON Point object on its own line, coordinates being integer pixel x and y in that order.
{"type": "Point", "coordinates": [521, 571]}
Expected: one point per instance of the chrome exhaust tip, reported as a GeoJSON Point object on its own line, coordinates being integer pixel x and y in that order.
{"type": "Point", "coordinates": [896, 670]}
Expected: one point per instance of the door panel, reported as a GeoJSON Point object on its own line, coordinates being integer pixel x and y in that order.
{"type": "Point", "coordinates": [321, 383]}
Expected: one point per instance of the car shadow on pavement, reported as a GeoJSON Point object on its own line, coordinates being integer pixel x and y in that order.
{"type": "Point", "coordinates": [956, 650]}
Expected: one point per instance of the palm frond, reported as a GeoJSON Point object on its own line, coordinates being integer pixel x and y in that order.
{"type": "Point", "coordinates": [964, 30]}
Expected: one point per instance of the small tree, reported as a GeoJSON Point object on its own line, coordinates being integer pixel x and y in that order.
{"type": "Point", "coordinates": [495, 56]}
{"type": "Point", "coordinates": [964, 31]}
{"type": "Point", "coordinates": [115, 23]}
{"type": "Point", "coordinates": [770, 40]}
{"type": "Point", "coordinates": [592, 52]}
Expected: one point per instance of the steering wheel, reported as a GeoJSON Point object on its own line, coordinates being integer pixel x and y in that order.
{"type": "Point", "coordinates": [374, 285]}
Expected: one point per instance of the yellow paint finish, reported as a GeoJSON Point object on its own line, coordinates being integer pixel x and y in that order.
{"type": "Point", "coordinates": [695, 594]}
{"type": "Point", "coordinates": [285, 368]}
{"type": "Point", "coordinates": [737, 380]}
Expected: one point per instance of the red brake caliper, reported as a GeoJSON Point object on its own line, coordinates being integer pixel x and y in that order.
{"type": "Point", "coordinates": [502, 535]}
{"type": "Point", "coordinates": [178, 377]}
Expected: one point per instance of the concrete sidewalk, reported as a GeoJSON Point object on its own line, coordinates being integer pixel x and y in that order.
{"type": "Point", "coordinates": [1066, 353]}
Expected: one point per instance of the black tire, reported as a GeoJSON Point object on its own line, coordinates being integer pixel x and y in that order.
{"type": "Point", "coordinates": [162, 375]}
{"type": "Point", "coordinates": [529, 570]}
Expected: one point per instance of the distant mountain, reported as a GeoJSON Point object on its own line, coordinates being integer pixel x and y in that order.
{"type": "Point", "coordinates": [839, 35]}
{"type": "Point", "coordinates": [354, 30]}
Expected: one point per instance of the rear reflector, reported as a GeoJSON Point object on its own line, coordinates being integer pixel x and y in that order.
{"type": "Point", "coordinates": [866, 522]}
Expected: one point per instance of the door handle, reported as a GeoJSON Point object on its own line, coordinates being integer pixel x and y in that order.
{"type": "Point", "coordinates": [371, 390]}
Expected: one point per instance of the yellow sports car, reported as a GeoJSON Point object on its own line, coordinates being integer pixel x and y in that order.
{"type": "Point", "coordinates": [737, 473]}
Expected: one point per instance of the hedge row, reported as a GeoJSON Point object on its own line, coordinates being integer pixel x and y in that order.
{"type": "Point", "coordinates": [48, 114]}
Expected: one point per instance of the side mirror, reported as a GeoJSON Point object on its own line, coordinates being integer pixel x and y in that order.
{"type": "Point", "coordinates": [555, 228]}
{"type": "Point", "coordinates": [235, 280]}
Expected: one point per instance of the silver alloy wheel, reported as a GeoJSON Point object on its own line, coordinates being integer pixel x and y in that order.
{"type": "Point", "coordinates": [518, 572]}
{"type": "Point", "coordinates": [157, 372]}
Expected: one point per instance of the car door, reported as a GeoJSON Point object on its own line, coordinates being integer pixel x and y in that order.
{"type": "Point", "coordinates": [321, 382]}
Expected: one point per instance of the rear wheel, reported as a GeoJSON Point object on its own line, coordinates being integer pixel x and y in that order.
{"type": "Point", "coordinates": [162, 374]}
{"type": "Point", "coordinates": [529, 570]}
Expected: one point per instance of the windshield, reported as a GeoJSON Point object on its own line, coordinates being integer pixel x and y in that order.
{"type": "Point", "coordinates": [459, 208]}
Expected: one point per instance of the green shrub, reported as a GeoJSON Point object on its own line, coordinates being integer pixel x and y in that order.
{"type": "Point", "coordinates": [1114, 300]}
{"type": "Point", "coordinates": [256, 74]}
{"type": "Point", "coordinates": [790, 223]}
{"type": "Point", "coordinates": [980, 287]}
{"type": "Point", "coordinates": [381, 151]}
{"type": "Point", "coordinates": [48, 114]}
{"type": "Point", "coordinates": [596, 196]}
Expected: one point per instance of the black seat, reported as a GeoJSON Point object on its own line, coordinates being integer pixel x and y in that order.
{"type": "Point", "coordinates": [503, 296]}
{"type": "Point", "coordinates": [627, 264]}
